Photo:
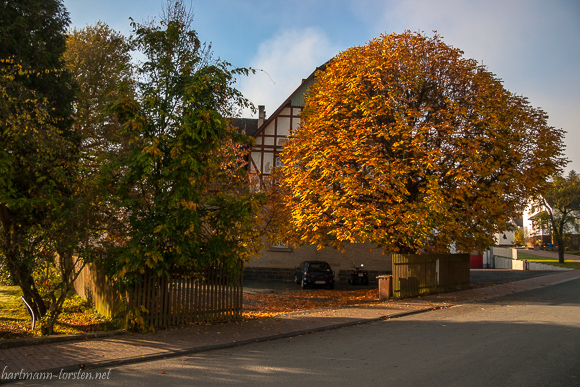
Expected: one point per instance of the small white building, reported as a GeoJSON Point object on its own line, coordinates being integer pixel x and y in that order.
{"type": "Point", "coordinates": [507, 237]}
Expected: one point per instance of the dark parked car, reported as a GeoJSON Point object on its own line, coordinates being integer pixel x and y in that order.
{"type": "Point", "coordinates": [314, 273]}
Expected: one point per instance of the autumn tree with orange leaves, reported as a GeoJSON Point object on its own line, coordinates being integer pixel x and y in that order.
{"type": "Point", "coordinates": [407, 144]}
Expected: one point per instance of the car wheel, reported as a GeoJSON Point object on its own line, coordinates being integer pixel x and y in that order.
{"type": "Point", "coordinates": [303, 284]}
{"type": "Point", "coordinates": [296, 279]}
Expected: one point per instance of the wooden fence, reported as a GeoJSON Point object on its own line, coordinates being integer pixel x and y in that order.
{"type": "Point", "coordinates": [93, 286]}
{"type": "Point", "coordinates": [186, 297]}
{"type": "Point", "coordinates": [428, 273]}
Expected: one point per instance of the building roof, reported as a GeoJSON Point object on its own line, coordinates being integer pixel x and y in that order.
{"type": "Point", "coordinates": [247, 125]}
{"type": "Point", "coordinates": [295, 99]}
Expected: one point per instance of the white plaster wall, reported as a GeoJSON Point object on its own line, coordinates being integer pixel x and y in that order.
{"type": "Point", "coordinates": [268, 162]}
{"type": "Point", "coordinates": [283, 129]}
{"type": "Point", "coordinates": [295, 123]}
{"type": "Point", "coordinates": [257, 157]}
{"type": "Point", "coordinates": [269, 129]}
{"type": "Point", "coordinates": [283, 125]}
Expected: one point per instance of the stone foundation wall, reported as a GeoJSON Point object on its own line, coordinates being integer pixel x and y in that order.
{"type": "Point", "coordinates": [269, 274]}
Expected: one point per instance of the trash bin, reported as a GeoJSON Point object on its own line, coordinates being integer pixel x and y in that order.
{"type": "Point", "coordinates": [385, 287]}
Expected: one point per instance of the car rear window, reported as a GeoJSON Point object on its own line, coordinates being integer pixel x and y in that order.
{"type": "Point", "coordinates": [319, 267]}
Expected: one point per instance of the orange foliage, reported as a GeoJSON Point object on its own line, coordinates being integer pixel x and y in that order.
{"type": "Point", "coordinates": [406, 144]}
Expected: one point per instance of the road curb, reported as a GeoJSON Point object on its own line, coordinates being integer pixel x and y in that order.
{"type": "Point", "coordinates": [58, 339]}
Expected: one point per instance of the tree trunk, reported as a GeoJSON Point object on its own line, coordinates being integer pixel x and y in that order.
{"type": "Point", "coordinates": [47, 323]}
{"type": "Point", "coordinates": [559, 234]}
{"type": "Point", "coordinates": [561, 251]}
{"type": "Point", "coordinates": [24, 279]}
{"type": "Point", "coordinates": [21, 273]}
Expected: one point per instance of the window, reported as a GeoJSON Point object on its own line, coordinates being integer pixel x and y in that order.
{"type": "Point", "coordinates": [280, 246]}
{"type": "Point", "coordinates": [319, 266]}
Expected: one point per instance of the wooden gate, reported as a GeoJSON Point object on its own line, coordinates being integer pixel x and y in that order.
{"type": "Point", "coordinates": [184, 297]}
{"type": "Point", "coordinates": [429, 273]}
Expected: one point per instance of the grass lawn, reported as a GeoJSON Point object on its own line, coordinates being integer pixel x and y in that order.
{"type": "Point", "coordinates": [14, 319]}
{"type": "Point", "coordinates": [549, 261]}
{"type": "Point", "coordinates": [76, 317]}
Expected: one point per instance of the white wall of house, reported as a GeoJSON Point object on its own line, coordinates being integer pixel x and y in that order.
{"type": "Point", "coordinates": [505, 238]}
{"type": "Point", "coordinates": [529, 228]}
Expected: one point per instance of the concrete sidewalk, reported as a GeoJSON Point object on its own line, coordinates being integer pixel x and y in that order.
{"type": "Point", "coordinates": [111, 351]}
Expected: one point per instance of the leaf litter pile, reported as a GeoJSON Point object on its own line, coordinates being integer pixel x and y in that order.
{"type": "Point", "coordinates": [284, 301]}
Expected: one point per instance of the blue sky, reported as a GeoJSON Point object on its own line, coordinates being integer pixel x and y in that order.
{"type": "Point", "coordinates": [532, 45]}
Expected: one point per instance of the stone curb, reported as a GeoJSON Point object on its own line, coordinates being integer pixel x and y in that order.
{"type": "Point", "coordinates": [58, 339]}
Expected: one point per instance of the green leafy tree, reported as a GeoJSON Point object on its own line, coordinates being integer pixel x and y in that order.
{"type": "Point", "coordinates": [520, 237]}
{"type": "Point", "coordinates": [559, 209]}
{"type": "Point", "coordinates": [38, 155]}
{"type": "Point", "coordinates": [182, 196]}
{"type": "Point", "coordinates": [99, 60]}
{"type": "Point", "coordinates": [406, 144]}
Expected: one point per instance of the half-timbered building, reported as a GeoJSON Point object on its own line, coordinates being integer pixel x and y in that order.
{"type": "Point", "coordinates": [271, 133]}
{"type": "Point", "coordinates": [278, 261]}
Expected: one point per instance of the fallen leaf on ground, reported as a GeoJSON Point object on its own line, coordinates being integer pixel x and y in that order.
{"type": "Point", "coordinates": [286, 301]}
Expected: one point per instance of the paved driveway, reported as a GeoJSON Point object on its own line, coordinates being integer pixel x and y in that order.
{"type": "Point", "coordinates": [479, 277]}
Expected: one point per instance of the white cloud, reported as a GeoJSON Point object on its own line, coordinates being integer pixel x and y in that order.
{"type": "Point", "coordinates": [487, 31]}
{"type": "Point", "coordinates": [282, 62]}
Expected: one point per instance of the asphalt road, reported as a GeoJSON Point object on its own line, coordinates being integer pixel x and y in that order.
{"type": "Point", "coordinates": [526, 339]}
{"type": "Point", "coordinates": [481, 277]}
